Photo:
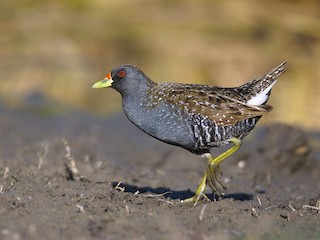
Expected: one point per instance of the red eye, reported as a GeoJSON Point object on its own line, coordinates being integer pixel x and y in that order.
{"type": "Point", "coordinates": [121, 74]}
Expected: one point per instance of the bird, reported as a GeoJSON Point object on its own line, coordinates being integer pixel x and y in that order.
{"type": "Point", "coordinates": [195, 117]}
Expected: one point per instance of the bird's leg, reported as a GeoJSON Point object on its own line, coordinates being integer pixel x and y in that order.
{"type": "Point", "coordinates": [199, 193]}
{"type": "Point", "coordinates": [214, 171]}
{"type": "Point", "coordinates": [211, 176]}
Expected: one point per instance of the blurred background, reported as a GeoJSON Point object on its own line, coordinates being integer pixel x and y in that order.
{"type": "Point", "coordinates": [51, 52]}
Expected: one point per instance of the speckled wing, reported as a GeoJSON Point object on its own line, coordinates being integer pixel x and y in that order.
{"type": "Point", "coordinates": [213, 103]}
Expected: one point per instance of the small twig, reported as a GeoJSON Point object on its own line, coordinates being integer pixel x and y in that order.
{"type": "Point", "coordinates": [272, 206]}
{"type": "Point", "coordinates": [6, 172]}
{"type": "Point", "coordinates": [117, 187]}
{"type": "Point", "coordinates": [71, 168]}
{"type": "Point", "coordinates": [254, 212]}
{"type": "Point", "coordinates": [127, 208]}
{"type": "Point", "coordinates": [156, 195]}
{"type": "Point", "coordinates": [80, 207]}
{"type": "Point", "coordinates": [42, 154]}
{"type": "Point", "coordinates": [291, 207]}
{"type": "Point", "coordinates": [259, 201]}
{"type": "Point", "coordinates": [311, 207]}
{"type": "Point", "coordinates": [202, 212]}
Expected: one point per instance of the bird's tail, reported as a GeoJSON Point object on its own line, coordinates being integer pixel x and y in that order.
{"type": "Point", "coordinates": [257, 92]}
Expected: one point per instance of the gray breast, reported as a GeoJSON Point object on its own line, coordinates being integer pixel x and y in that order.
{"type": "Point", "coordinates": [163, 122]}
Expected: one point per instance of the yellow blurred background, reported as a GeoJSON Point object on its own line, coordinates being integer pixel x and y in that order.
{"type": "Point", "coordinates": [58, 49]}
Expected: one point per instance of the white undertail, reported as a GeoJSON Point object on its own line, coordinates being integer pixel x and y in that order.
{"type": "Point", "coordinates": [261, 97]}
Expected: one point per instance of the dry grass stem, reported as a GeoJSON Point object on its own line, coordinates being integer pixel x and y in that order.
{"type": "Point", "coordinates": [71, 168]}
{"type": "Point", "coordinates": [259, 201]}
{"type": "Point", "coordinates": [42, 154]}
{"type": "Point", "coordinates": [291, 207]}
{"type": "Point", "coordinates": [6, 172]}
{"type": "Point", "coordinates": [117, 187]}
{"type": "Point", "coordinates": [155, 195]}
{"type": "Point", "coordinates": [311, 207]}
{"type": "Point", "coordinates": [80, 207]}
{"type": "Point", "coordinates": [254, 212]}
{"type": "Point", "coordinates": [202, 212]}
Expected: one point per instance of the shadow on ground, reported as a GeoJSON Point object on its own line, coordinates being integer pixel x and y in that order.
{"type": "Point", "coordinates": [179, 195]}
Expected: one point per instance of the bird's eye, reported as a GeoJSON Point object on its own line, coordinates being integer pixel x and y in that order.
{"type": "Point", "coordinates": [121, 74]}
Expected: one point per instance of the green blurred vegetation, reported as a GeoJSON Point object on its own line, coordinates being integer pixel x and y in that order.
{"type": "Point", "coordinates": [60, 48]}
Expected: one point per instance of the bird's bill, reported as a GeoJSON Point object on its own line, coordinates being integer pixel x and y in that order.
{"type": "Point", "coordinates": [106, 82]}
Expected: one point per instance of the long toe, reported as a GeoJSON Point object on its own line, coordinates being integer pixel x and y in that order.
{"type": "Point", "coordinates": [195, 199]}
{"type": "Point", "coordinates": [213, 180]}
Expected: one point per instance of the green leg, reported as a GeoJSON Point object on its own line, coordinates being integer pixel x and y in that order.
{"type": "Point", "coordinates": [213, 172]}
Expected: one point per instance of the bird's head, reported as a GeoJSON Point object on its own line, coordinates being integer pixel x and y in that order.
{"type": "Point", "coordinates": [124, 79]}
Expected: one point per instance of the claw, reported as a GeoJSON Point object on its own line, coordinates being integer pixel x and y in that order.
{"type": "Point", "coordinates": [213, 181]}
{"type": "Point", "coordinates": [195, 199]}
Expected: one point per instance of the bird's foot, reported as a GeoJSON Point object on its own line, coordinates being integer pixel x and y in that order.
{"type": "Point", "coordinates": [195, 199]}
{"type": "Point", "coordinates": [213, 171]}
{"type": "Point", "coordinates": [213, 181]}
{"type": "Point", "coordinates": [199, 193]}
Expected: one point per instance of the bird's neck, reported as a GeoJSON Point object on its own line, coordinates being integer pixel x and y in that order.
{"type": "Point", "coordinates": [139, 92]}
{"type": "Point", "coordinates": [134, 103]}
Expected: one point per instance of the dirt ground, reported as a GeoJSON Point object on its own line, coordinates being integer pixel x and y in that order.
{"type": "Point", "coordinates": [129, 185]}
